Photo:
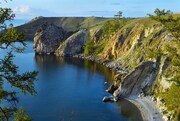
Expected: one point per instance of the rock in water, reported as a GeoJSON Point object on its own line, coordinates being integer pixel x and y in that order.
{"type": "Point", "coordinates": [112, 88]}
{"type": "Point", "coordinates": [106, 99]}
{"type": "Point", "coordinates": [110, 99]}
{"type": "Point", "coordinates": [74, 44]}
{"type": "Point", "coordinates": [48, 37]}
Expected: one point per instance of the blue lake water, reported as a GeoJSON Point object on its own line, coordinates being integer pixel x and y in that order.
{"type": "Point", "coordinates": [17, 22]}
{"type": "Point", "coordinates": [70, 90]}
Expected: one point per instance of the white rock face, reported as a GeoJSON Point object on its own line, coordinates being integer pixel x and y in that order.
{"type": "Point", "coordinates": [74, 44]}
{"type": "Point", "coordinates": [48, 37]}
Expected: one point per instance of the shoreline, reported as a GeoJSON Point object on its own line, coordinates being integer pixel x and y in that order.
{"type": "Point", "coordinates": [148, 109]}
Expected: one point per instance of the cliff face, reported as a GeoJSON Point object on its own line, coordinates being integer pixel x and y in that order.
{"type": "Point", "coordinates": [138, 81]}
{"type": "Point", "coordinates": [48, 37]}
{"type": "Point", "coordinates": [140, 48]}
{"type": "Point", "coordinates": [74, 44]}
{"type": "Point", "coordinates": [137, 50]}
{"type": "Point", "coordinates": [132, 44]}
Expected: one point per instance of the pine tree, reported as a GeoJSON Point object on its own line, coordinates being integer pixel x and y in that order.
{"type": "Point", "coordinates": [8, 70]}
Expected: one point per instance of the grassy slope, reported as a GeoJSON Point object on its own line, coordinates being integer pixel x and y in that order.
{"type": "Point", "coordinates": [135, 51]}
{"type": "Point", "coordinates": [130, 53]}
{"type": "Point", "coordinates": [68, 23]}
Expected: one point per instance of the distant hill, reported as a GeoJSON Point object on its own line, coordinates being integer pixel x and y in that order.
{"type": "Point", "coordinates": [68, 23]}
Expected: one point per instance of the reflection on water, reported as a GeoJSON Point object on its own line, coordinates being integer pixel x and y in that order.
{"type": "Point", "coordinates": [126, 109]}
{"type": "Point", "coordinates": [51, 61]}
{"type": "Point", "coordinates": [129, 110]}
{"type": "Point", "coordinates": [70, 89]}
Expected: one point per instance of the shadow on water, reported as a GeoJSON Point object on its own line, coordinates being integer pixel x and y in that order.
{"type": "Point", "coordinates": [53, 62]}
{"type": "Point", "coordinates": [129, 110]}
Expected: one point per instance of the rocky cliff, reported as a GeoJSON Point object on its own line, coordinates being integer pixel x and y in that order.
{"type": "Point", "coordinates": [74, 44]}
{"type": "Point", "coordinates": [140, 51]}
{"type": "Point", "coordinates": [67, 23]}
{"type": "Point", "coordinates": [138, 81]}
{"type": "Point", "coordinates": [48, 37]}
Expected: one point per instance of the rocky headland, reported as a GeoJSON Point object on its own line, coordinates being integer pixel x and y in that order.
{"type": "Point", "coordinates": [131, 50]}
{"type": "Point", "coordinates": [48, 38]}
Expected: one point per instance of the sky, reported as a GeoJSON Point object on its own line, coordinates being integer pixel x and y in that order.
{"type": "Point", "coordinates": [28, 9]}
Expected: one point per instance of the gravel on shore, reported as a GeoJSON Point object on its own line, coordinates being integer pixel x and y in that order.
{"type": "Point", "coordinates": [148, 108]}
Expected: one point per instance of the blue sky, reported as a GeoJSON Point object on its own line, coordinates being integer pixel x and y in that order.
{"type": "Point", "coordinates": [28, 9]}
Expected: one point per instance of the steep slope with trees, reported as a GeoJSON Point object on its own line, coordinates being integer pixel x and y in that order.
{"type": "Point", "coordinates": [147, 49]}
{"type": "Point", "coordinates": [143, 51]}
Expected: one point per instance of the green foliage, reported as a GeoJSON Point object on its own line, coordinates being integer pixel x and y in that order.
{"type": "Point", "coordinates": [92, 48]}
{"type": "Point", "coordinates": [6, 14]}
{"type": "Point", "coordinates": [21, 116]}
{"type": "Point", "coordinates": [9, 71]}
{"type": "Point", "coordinates": [171, 51]}
{"type": "Point", "coordinates": [160, 13]}
{"type": "Point", "coordinates": [6, 113]}
{"type": "Point", "coordinates": [119, 14]}
{"type": "Point", "coordinates": [170, 22]}
{"type": "Point", "coordinates": [137, 57]}
{"type": "Point", "coordinates": [153, 54]}
{"type": "Point", "coordinates": [171, 99]}
{"type": "Point", "coordinates": [89, 46]}
{"type": "Point", "coordinates": [99, 48]}
{"type": "Point", "coordinates": [173, 71]}
{"type": "Point", "coordinates": [112, 26]}
{"type": "Point", "coordinates": [11, 35]}
{"type": "Point", "coordinates": [89, 22]}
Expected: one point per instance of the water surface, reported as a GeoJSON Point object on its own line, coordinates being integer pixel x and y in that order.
{"type": "Point", "coordinates": [70, 90]}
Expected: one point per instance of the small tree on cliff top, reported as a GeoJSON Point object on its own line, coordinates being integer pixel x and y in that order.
{"type": "Point", "coordinates": [119, 14]}
{"type": "Point", "coordinates": [170, 22]}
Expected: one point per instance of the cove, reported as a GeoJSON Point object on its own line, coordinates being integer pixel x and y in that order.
{"type": "Point", "coordinates": [70, 89]}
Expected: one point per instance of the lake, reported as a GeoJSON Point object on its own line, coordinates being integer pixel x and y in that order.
{"type": "Point", "coordinates": [70, 89]}
{"type": "Point", "coordinates": [17, 22]}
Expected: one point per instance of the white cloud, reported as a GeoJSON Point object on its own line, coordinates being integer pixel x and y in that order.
{"type": "Point", "coordinates": [26, 12]}
{"type": "Point", "coordinates": [22, 9]}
